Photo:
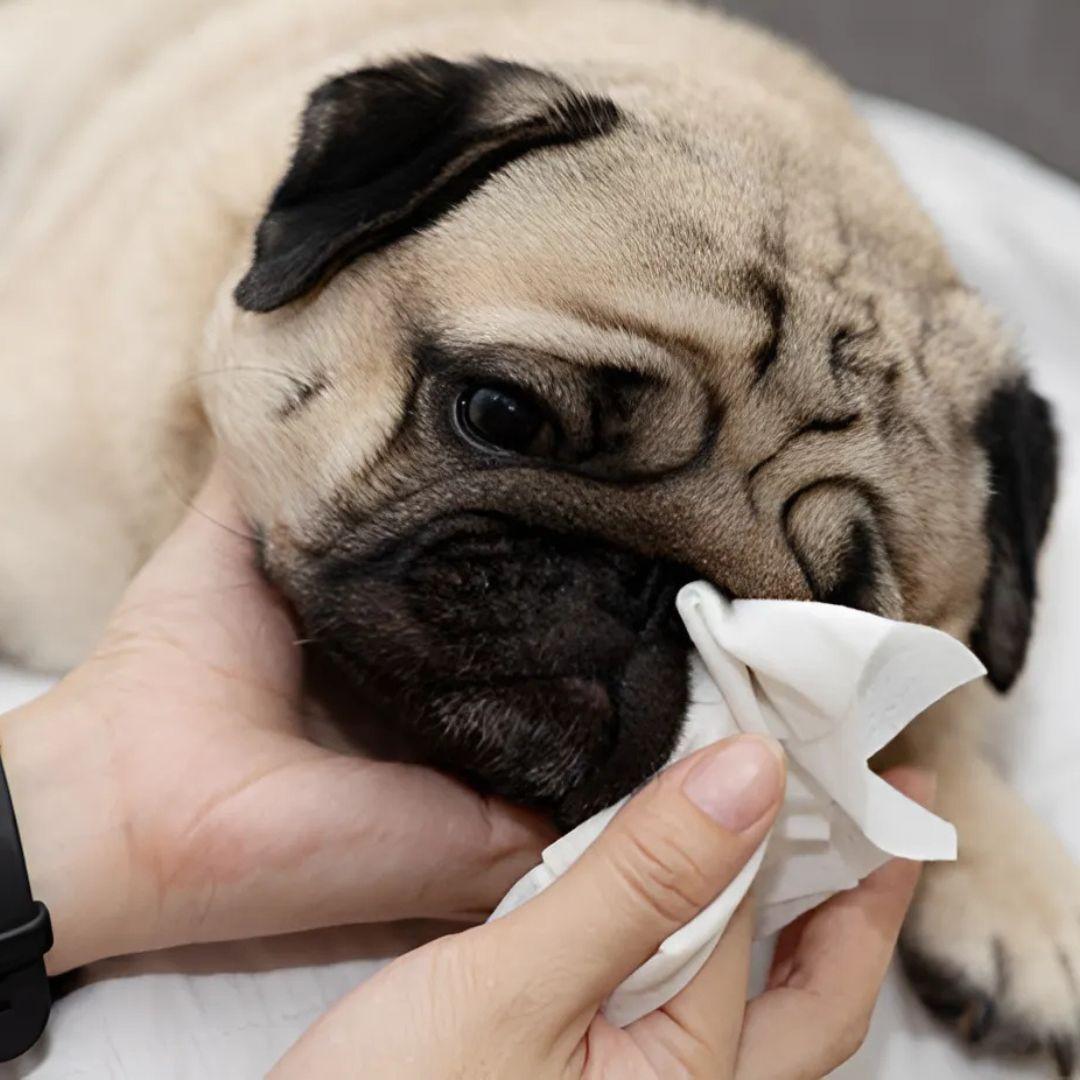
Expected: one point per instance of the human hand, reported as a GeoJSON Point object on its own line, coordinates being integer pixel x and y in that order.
{"type": "Point", "coordinates": [165, 793]}
{"type": "Point", "coordinates": [522, 996]}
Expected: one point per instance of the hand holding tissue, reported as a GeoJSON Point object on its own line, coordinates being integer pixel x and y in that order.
{"type": "Point", "coordinates": [833, 685]}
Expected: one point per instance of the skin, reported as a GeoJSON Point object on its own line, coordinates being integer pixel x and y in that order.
{"type": "Point", "coordinates": [166, 794]}
{"type": "Point", "coordinates": [269, 833]}
{"type": "Point", "coordinates": [486, 1003]}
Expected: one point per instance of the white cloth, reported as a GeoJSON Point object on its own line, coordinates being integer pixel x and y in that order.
{"type": "Point", "coordinates": [231, 1010]}
{"type": "Point", "coordinates": [834, 686]}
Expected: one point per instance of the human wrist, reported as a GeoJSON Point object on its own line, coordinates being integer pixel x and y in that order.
{"type": "Point", "coordinates": [56, 758]}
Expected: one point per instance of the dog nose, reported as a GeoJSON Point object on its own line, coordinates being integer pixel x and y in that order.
{"type": "Point", "coordinates": [491, 572]}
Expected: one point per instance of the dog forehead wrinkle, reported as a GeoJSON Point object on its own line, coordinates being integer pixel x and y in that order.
{"type": "Point", "coordinates": [562, 334]}
{"type": "Point", "coordinates": [817, 426]}
{"type": "Point", "coordinates": [678, 344]}
{"type": "Point", "coordinates": [767, 293]}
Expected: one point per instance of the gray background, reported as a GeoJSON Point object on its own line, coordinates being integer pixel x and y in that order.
{"type": "Point", "coordinates": [1011, 67]}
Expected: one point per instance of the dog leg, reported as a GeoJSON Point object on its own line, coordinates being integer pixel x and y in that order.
{"type": "Point", "coordinates": [992, 943]}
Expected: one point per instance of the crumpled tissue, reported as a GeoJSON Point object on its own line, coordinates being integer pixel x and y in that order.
{"type": "Point", "coordinates": [833, 685]}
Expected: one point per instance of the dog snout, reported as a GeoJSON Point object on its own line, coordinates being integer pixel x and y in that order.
{"type": "Point", "coordinates": [546, 666]}
{"type": "Point", "coordinates": [500, 574]}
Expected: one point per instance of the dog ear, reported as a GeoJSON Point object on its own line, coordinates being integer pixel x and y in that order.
{"type": "Point", "coordinates": [1016, 431]}
{"type": "Point", "coordinates": [386, 150]}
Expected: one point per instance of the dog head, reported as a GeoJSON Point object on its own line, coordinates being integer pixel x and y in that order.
{"type": "Point", "coordinates": [537, 355]}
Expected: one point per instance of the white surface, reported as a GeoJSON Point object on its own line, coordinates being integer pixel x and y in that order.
{"type": "Point", "coordinates": [1014, 229]}
{"type": "Point", "coordinates": [833, 686]}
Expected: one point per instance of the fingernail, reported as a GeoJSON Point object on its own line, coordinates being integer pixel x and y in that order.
{"type": "Point", "coordinates": [737, 782]}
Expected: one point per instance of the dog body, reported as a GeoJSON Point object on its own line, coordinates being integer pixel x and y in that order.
{"type": "Point", "coordinates": [160, 214]}
{"type": "Point", "coordinates": [501, 351]}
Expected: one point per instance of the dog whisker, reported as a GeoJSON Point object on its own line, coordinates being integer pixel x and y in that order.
{"type": "Point", "coordinates": [247, 369]}
{"type": "Point", "coordinates": [190, 504]}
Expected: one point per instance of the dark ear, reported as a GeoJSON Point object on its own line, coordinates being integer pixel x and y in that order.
{"type": "Point", "coordinates": [1017, 433]}
{"type": "Point", "coordinates": [385, 151]}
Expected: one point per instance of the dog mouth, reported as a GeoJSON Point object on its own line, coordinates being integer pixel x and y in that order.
{"type": "Point", "coordinates": [569, 744]}
{"type": "Point", "coordinates": [544, 667]}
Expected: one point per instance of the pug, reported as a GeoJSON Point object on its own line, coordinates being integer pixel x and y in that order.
{"type": "Point", "coordinates": [509, 318]}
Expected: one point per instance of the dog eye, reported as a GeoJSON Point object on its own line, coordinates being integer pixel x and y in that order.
{"type": "Point", "coordinates": [504, 417]}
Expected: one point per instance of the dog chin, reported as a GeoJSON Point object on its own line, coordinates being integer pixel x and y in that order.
{"type": "Point", "coordinates": [568, 746]}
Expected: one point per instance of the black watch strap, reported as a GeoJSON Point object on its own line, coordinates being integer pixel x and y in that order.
{"type": "Point", "coordinates": [25, 938]}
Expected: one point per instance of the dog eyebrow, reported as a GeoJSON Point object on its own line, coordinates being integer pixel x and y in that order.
{"type": "Point", "coordinates": [674, 344]}
{"type": "Point", "coordinates": [578, 330]}
{"type": "Point", "coordinates": [304, 390]}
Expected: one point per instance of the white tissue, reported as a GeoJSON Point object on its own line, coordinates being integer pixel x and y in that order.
{"type": "Point", "coordinates": [833, 685]}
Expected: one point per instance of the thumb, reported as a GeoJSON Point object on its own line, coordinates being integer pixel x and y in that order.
{"type": "Point", "coordinates": [666, 855]}
{"type": "Point", "coordinates": [212, 545]}
{"type": "Point", "coordinates": [202, 595]}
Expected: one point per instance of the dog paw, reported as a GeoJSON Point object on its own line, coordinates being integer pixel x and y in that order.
{"type": "Point", "coordinates": [992, 947]}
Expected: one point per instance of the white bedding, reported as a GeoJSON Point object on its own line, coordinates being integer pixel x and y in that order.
{"type": "Point", "coordinates": [229, 1011]}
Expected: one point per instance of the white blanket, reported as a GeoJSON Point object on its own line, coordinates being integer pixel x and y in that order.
{"type": "Point", "coordinates": [229, 1011]}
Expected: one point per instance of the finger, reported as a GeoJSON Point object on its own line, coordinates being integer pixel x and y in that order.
{"type": "Point", "coordinates": [697, 1032]}
{"type": "Point", "coordinates": [668, 853]}
{"type": "Point", "coordinates": [828, 970]}
{"type": "Point", "coordinates": [211, 544]}
{"type": "Point", "coordinates": [319, 839]}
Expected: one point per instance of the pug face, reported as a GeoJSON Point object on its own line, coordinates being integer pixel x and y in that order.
{"type": "Point", "coordinates": [532, 358]}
